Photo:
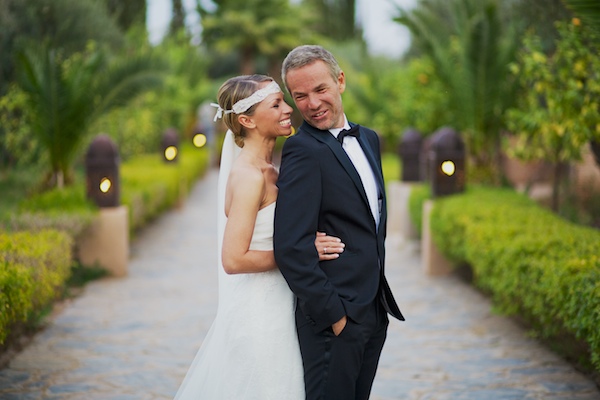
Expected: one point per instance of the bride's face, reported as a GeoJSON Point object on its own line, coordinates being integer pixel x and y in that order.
{"type": "Point", "coordinates": [272, 116]}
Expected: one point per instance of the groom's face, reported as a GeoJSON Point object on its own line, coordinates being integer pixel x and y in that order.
{"type": "Point", "coordinates": [318, 95]}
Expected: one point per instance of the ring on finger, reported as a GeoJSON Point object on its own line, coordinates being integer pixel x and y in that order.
{"type": "Point", "coordinates": [325, 250]}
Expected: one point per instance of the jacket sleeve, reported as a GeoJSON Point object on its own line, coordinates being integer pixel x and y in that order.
{"type": "Point", "coordinates": [296, 223]}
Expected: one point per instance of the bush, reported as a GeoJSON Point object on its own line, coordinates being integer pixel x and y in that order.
{"type": "Point", "coordinates": [36, 264]}
{"type": "Point", "coordinates": [33, 270]}
{"type": "Point", "coordinates": [532, 262]}
{"type": "Point", "coordinates": [418, 195]}
{"type": "Point", "coordinates": [64, 209]}
{"type": "Point", "coordinates": [391, 166]}
{"type": "Point", "coordinates": [149, 185]}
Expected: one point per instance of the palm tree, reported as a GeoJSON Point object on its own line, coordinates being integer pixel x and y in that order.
{"type": "Point", "coordinates": [254, 28]}
{"type": "Point", "coordinates": [66, 96]}
{"type": "Point", "coordinates": [471, 51]}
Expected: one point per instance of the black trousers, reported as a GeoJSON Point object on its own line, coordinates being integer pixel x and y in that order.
{"type": "Point", "coordinates": [342, 367]}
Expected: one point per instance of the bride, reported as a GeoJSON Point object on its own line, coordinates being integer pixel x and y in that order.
{"type": "Point", "coordinates": [251, 351]}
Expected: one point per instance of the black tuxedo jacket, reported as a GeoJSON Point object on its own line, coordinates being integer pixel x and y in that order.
{"type": "Point", "coordinates": [320, 190]}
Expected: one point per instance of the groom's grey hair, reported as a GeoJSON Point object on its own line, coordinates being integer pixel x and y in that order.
{"type": "Point", "coordinates": [306, 55]}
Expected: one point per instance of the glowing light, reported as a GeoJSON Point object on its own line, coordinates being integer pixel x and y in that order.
{"type": "Point", "coordinates": [105, 185]}
{"type": "Point", "coordinates": [199, 140]}
{"type": "Point", "coordinates": [171, 153]}
{"type": "Point", "coordinates": [448, 168]}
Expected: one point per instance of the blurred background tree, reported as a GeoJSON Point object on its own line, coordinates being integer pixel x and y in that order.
{"type": "Point", "coordinates": [127, 13]}
{"type": "Point", "coordinates": [455, 73]}
{"type": "Point", "coordinates": [471, 46]}
{"type": "Point", "coordinates": [65, 96]}
{"type": "Point", "coordinates": [335, 20]}
{"type": "Point", "coordinates": [255, 31]}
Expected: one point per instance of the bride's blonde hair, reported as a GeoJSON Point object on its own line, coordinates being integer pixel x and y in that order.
{"type": "Point", "coordinates": [234, 90]}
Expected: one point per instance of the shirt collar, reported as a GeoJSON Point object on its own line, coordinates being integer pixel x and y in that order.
{"type": "Point", "coordinates": [336, 131]}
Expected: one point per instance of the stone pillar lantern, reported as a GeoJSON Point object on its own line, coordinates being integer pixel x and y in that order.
{"type": "Point", "coordinates": [102, 172]}
{"type": "Point", "coordinates": [170, 144]}
{"type": "Point", "coordinates": [106, 242]}
{"type": "Point", "coordinates": [446, 162]}
{"type": "Point", "coordinates": [410, 153]}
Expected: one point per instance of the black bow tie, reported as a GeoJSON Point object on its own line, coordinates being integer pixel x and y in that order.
{"type": "Point", "coordinates": [348, 132]}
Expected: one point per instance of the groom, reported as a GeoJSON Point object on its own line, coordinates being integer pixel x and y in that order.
{"type": "Point", "coordinates": [331, 180]}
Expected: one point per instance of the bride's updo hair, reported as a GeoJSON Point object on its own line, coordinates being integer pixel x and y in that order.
{"type": "Point", "coordinates": [234, 90]}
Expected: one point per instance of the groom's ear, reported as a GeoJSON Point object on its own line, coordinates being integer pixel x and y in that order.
{"type": "Point", "coordinates": [246, 121]}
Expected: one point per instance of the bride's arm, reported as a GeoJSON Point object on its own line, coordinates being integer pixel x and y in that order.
{"type": "Point", "coordinates": [246, 187]}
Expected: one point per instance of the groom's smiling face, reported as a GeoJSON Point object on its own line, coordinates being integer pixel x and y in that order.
{"type": "Point", "coordinates": [318, 95]}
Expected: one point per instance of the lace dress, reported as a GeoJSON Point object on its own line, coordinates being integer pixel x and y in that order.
{"type": "Point", "coordinates": [251, 351]}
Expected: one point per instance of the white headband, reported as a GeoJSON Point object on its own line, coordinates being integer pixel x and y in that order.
{"type": "Point", "coordinates": [244, 104]}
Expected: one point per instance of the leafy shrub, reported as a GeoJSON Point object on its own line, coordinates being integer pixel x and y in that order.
{"type": "Point", "coordinates": [149, 185]}
{"type": "Point", "coordinates": [65, 209]}
{"type": "Point", "coordinates": [34, 267]}
{"type": "Point", "coordinates": [391, 165]}
{"type": "Point", "coordinates": [532, 262]}
{"type": "Point", "coordinates": [418, 195]}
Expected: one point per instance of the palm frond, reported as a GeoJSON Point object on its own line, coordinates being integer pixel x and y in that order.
{"type": "Point", "coordinates": [588, 10]}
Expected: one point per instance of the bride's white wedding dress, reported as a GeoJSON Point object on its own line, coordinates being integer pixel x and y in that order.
{"type": "Point", "coordinates": [251, 351]}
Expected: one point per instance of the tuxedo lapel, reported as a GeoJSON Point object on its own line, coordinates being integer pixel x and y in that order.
{"type": "Point", "coordinates": [368, 150]}
{"type": "Point", "coordinates": [327, 138]}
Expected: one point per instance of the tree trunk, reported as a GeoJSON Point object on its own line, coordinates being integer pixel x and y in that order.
{"type": "Point", "coordinates": [559, 167]}
{"type": "Point", "coordinates": [595, 146]}
{"type": "Point", "coordinates": [247, 63]}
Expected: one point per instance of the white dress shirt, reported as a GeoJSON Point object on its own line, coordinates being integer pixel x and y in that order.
{"type": "Point", "coordinates": [358, 158]}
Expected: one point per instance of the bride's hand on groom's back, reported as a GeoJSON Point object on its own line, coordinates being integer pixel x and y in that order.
{"type": "Point", "coordinates": [328, 247]}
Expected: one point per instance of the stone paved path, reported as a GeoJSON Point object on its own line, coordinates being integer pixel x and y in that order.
{"type": "Point", "coordinates": [134, 337]}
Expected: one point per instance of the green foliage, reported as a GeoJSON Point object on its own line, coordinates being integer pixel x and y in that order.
{"type": "Point", "coordinates": [254, 29]}
{"type": "Point", "coordinates": [149, 185]}
{"type": "Point", "coordinates": [418, 195]}
{"type": "Point", "coordinates": [391, 166]}
{"type": "Point", "coordinates": [82, 274]}
{"type": "Point", "coordinates": [64, 209]}
{"type": "Point", "coordinates": [35, 265]}
{"type": "Point", "coordinates": [65, 96]}
{"type": "Point", "coordinates": [559, 110]}
{"type": "Point", "coordinates": [137, 128]}
{"type": "Point", "coordinates": [15, 185]}
{"type": "Point", "coordinates": [471, 47]}
{"type": "Point", "coordinates": [391, 98]}
{"type": "Point", "coordinates": [18, 147]}
{"type": "Point", "coordinates": [588, 10]}
{"type": "Point", "coordinates": [127, 13]}
{"type": "Point", "coordinates": [33, 270]}
{"type": "Point", "coordinates": [63, 24]}
{"type": "Point", "coordinates": [335, 19]}
{"type": "Point", "coordinates": [533, 263]}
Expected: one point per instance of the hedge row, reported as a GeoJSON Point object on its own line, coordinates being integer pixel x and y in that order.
{"type": "Point", "coordinates": [532, 262]}
{"type": "Point", "coordinates": [37, 256]}
{"type": "Point", "coordinates": [34, 267]}
{"type": "Point", "coordinates": [150, 186]}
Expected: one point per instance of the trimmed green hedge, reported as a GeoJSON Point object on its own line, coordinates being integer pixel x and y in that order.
{"type": "Point", "coordinates": [150, 186]}
{"type": "Point", "coordinates": [34, 267]}
{"type": "Point", "coordinates": [36, 258]}
{"type": "Point", "coordinates": [418, 194]}
{"type": "Point", "coordinates": [532, 262]}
